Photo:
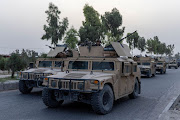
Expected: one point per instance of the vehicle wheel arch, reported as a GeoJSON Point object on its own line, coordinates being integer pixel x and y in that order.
{"type": "Point", "coordinates": [110, 84]}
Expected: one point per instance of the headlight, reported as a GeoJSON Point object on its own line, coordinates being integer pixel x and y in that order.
{"type": "Point", "coordinates": [96, 82]}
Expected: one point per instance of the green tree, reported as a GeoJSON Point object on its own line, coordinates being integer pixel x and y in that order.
{"type": "Point", "coordinates": [132, 40]}
{"type": "Point", "coordinates": [111, 23]}
{"type": "Point", "coordinates": [149, 45]}
{"type": "Point", "coordinates": [71, 38]}
{"type": "Point", "coordinates": [15, 63]}
{"type": "Point", "coordinates": [141, 44]}
{"type": "Point", "coordinates": [3, 62]}
{"type": "Point", "coordinates": [92, 26]}
{"type": "Point", "coordinates": [170, 49]}
{"type": "Point", "coordinates": [55, 29]}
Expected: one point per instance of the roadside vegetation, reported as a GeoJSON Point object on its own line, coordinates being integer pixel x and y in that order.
{"type": "Point", "coordinates": [7, 78]}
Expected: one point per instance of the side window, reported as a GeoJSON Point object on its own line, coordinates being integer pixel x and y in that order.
{"type": "Point", "coordinates": [127, 69]}
{"type": "Point", "coordinates": [134, 68]}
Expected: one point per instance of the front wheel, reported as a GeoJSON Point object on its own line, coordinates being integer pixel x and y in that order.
{"type": "Point", "coordinates": [23, 88]}
{"type": "Point", "coordinates": [102, 101]}
{"type": "Point", "coordinates": [136, 90]}
{"type": "Point", "coordinates": [49, 98]}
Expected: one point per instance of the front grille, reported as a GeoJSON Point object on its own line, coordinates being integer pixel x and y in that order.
{"type": "Point", "coordinates": [65, 84]}
{"type": "Point", "coordinates": [33, 76]}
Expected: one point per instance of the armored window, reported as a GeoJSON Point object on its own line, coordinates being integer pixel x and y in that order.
{"type": "Point", "coordinates": [57, 64]}
{"type": "Point", "coordinates": [127, 69]}
{"type": "Point", "coordinates": [109, 66]}
{"type": "Point", "coordinates": [159, 63]}
{"type": "Point", "coordinates": [45, 63]}
{"type": "Point", "coordinates": [146, 63]}
{"type": "Point", "coordinates": [135, 68]}
{"type": "Point", "coordinates": [78, 65]}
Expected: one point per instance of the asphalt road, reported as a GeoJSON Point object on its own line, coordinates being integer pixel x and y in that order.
{"type": "Point", "coordinates": [157, 93]}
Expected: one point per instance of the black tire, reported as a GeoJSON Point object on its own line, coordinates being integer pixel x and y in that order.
{"type": "Point", "coordinates": [169, 67]}
{"type": "Point", "coordinates": [102, 101]}
{"type": "Point", "coordinates": [161, 72]}
{"type": "Point", "coordinates": [23, 88]}
{"type": "Point", "coordinates": [136, 90]}
{"type": "Point", "coordinates": [49, 98]}
{"type": "Point", "coordinates": [176, 67]}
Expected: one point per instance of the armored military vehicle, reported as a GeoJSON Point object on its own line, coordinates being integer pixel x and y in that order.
{"type": "Point", "coordinates": [160, 65]}
{"type": "Point", "coordinates": [173, 64]}
{"type": "Point", "coordinates": [44, 67]}
{"type": "Point", "coordinates": [147, 66]}
{"type": "Point", "coordinates": [98, 76]}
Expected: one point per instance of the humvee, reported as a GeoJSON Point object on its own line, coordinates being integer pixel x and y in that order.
{"type": "Point", "coordinates": [147, 66]}
{"type": "Point", "coordinates": [98, 76]}
{"type": "Point", "coordinates": [173, 63]}
{"type": "Point", "coordinates": [44, 67]}
{"type": "Point", "coordinates": [161, 65]}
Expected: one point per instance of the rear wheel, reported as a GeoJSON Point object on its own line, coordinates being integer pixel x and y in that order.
{"type": "Point", "coordinates": [23, 88]}
{"type": "Point", "coordinates": [102, 101]}
{"type": "Point", "coordinates": [136, 90]}
{"type": "Point", "coordinates": [49, 98]}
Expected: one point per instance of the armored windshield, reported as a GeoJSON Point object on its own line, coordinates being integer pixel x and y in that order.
{"type": "Point", "coordinates": [57, 64]}
{"type": "Point", "coordinates": [146, 63]}
{"type": "Point", "coordinates": [103, 66]}
{"type": "Point", "coordinates": [159, 63]}
{"type": "Point", "coordinates": [45, 63]}
{"type": "Point", "coordinates": [78, 65]}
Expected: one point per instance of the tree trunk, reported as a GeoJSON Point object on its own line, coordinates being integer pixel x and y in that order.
{"type": "Point", "coordinates": [12, 75]}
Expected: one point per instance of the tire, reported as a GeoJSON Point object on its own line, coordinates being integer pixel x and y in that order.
{"type": "Point", "coordinates": [176, 68]}
{"type": "Point", "coordinates": [23, 88]}
{"type": "Point", "coordinates": [49, 98]}
{"type": "Point", "coordinates": [102, 101]}
{"type": "Point", "coordinates": [169, 67]}
{"type": "Point", "coordinates": [136, 91]}
{"type": "Point", "coordinates": [161, 72]}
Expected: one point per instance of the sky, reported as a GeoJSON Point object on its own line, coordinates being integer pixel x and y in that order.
{"type": "Point", "coordinates": [21, 21]}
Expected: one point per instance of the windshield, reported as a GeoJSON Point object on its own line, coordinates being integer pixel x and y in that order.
{"type": "Point", "coordinates": [146, 63]}
{"type": "Point", "coordinates": [78, 65]}
{"type": "Point", "coordinates": [103, 66]}
{"type": "Point", "coordinates": [57, 64]}
{"type": "Point", "coordinates": [159, 63]}
{"type": "Point", "coordinates": [173, 63]}
{"type": "Point", "coordinates": [139, 63]}
{"type": "Point", "coordinates": [45, 63]}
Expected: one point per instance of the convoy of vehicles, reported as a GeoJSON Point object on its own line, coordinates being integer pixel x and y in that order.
{"type": "Point", "coordinates": [96, 78]}
{"type": "Point", "coordinates": [147, 65]}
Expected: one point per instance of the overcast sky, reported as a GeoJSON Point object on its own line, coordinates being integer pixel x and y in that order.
{"type": "Point", "coordinates": [21, 21]}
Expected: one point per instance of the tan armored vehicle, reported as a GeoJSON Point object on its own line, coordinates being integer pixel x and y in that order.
{"type": "Point", "coordinates": [147, 66]}
{"type": "Point", "coordinates": [173, 64]}
{"type": "Point", "coordinates": [99, 76]}
{"type": "Point", "coordinates": [44, 67]}
{"type": "Point", "coordinates": [161, 65]}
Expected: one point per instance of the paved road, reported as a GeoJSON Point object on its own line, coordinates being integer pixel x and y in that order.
{"type": "Point", "coordinates": [156, 94]}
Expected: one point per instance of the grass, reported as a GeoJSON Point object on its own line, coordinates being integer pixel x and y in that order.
{"type": "Point", "coordinates": [7, 78]}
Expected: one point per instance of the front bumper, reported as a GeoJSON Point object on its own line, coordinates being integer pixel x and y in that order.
{"type": "Point", "coordinates": [72, 85]}
{"type": "Point", "coordinates": [145, 72]}
{"type": "Point", "coordinates": [33, 78]}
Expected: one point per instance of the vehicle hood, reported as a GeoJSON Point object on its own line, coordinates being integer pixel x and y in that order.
{"type": "Point", "coordinates": [83, 75]}
{"type": "Point", "coordinates": [144, 66]}
{"type": "Point", "coordinates": [159, 65]}
{"type": "Point", "coordinates": [43, 70]}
